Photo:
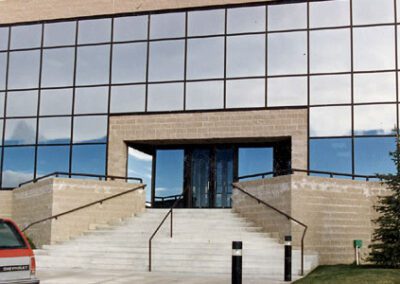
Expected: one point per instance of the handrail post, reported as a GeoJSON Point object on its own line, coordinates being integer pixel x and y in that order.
{"type": "Point", "coordinates": [150, 255]}
{"type": "Point", "coordinates": [172, 214]}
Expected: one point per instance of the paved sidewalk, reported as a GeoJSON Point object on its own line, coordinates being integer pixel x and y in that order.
{"type": "Point", "coordinates": [73, 276]}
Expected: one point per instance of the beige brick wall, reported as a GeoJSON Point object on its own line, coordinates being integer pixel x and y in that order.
{"type": "Point", "coordinates": [278, 194]}
{"type": "Point", "coordinates": [337, 211]}
{"type": "Point", "coordinates": [33, 202]}
{"type": "Point", "coordinates": [5, 204]}
{"type": "Point", "coordinates": [53, 196]}
{"type": "Point", "coordinates": [255, 125]}
{"type": "Point", "coordinates": [13, 11]}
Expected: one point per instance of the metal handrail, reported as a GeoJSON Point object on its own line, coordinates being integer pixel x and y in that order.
{"type": "Point", "coordinates": [169, 213]}
{"type": "Point", "coordinates": [308, 172]}
{"type": "Point", "coordinates": [69, 175]}
{"type": "Point", "coordinates": [83, 206]}
{"type": "Point", "coordinates": [238, 187]}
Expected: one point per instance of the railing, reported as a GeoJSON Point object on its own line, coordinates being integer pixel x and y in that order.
{"type": "Point", "coordinates": [69, 175]}
{"type": "Point", "coordinates": [308, 172]}
{"type": "Point", "coordinates": [83, 207]}
{"type": "Point", "coordinates": [238, 187]}
{"type": "Point", "coordinates": [169, 213]}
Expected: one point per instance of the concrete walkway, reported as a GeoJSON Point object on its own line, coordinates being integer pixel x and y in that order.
{"type": "Point", "coordinates": [72, 276]}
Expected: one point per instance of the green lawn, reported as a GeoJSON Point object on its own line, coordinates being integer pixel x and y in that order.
{"type": "Point", "coordinates": [350, 274]}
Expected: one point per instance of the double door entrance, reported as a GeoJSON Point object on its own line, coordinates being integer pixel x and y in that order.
{"type": "Point", "coordinates": [209, 175]}
{"type": "Point", "coordinates": [202, 174]}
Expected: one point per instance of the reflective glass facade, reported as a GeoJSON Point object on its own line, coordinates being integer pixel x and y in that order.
{"type": "Point", "coordinates": [60, 80]}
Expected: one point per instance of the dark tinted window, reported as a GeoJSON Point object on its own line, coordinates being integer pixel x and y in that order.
{"type": "Point", "coordinates": [51, 159]}
{"type": "Point", "coordinates": [18, 165]}
{"type": "Point", "coordinates": [332, 155]}
{"type": "Point", "coordinates": [9, 237]}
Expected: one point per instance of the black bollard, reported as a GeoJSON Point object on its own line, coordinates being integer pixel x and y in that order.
{"type": "Point", "coordinates": [288, 258]}
{"type": "Point", "coordinates": [237, 262]}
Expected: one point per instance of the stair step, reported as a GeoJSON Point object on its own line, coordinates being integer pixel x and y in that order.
{"type": "Point", "coordinates": [201, 243]}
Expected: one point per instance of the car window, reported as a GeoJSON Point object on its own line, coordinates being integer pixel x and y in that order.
{"type": "Point", "coordinates": [9, 237]}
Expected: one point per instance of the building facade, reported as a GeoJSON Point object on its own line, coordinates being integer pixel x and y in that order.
{"type": "Point", "coordinates": [188, 95]}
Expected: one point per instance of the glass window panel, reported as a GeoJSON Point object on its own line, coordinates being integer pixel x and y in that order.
{"type": "Point", "coordinates": [374, 119]}
{"type": "Point", "coordinates": [130, 28]}
{"type": "Point", "coordinates": [18, 165]}
{"type": "Point", "coordinates": [329, 13]}
{"type": "Point", "coordinates": [90, 129]}
{"type": "Point", "coordinates": [205, 58]}
{"type": "Point", "coordinates": [255, 160]}
{"type": "Point", "coordinates": [373, 12]}
{"type": "Point", "coordinates": [129, 63]}
{"type": "Point", "coordinates": [140, 166]}
{"type": "Point", "coordinates": [205, 95]}
{"type": "Point", "coordinates": [20, 131]}
{"type": "Point", "coordinates": [55, 130]}
{"type": "Point", "coordinates": [330, 121]}
{"type": "Point", "coordinates": [372, 157]}
{"type": "Point", "coordinates": [57, 34]}
{"type": "Point", "coordinates": [22, 103]}
{"type": "Point", "coordinates": [89, 159]}
{"type": "Point", "coordinates": [26, 36]}
{"type": "Point", "coordinates": [1, 131]}
{"type": "Point", "coordinates": [167, 60]}
{"type": "Point", "coordinates": [93, 65]}
{"type": "Point", "coordinates": [374, 48]}
{"type": "Point", "coordinates": [246, 56]}
{"type": "Point", "coordinates": [169, 180]}
{"type": "Point", "coordinates": [56, 102]}
{"type": "Point", "coordinates": [91, 100]}
{"type": "Point", "coordinates": [289, 91]}
{"type": "Point", "coordinates": [58, 67]}
{"type": "Point", "coordinates": [92, 31]}
{"type": "Point", "coordinates": [287, 53]}
{"type": "Point", "coordinates": [167, 25]}
{"type": "Point", "coordinates": [375, 87]}
{"type": "Point", "coordinates": [246, 19]}
{"type": "Point", "coordinates": [245, 93]}
{"type": "Point", "coordinates": [330, 89]}
{"type": "Point", "coordinates": [2, 96]}
{"type": "Point", "coordinates": [398, 10]}
{"type": "Point", "coordinates": [165, 97]}
{"type": "Point", "coordinates": [287, 16]}
{"type": "Point", "coordinates": [4, 38]}
{"type": "Point", "coordinates": [128, 98]}
{"type": "Point", "coordinates": [3, 67]}
{"type": "Point", "coordinates": [208, 22]}
{"type": "Point", "coordinates": [24, 69]}
{"type": "Point", "coordinates": [52, 159]}
{"type": "Point", "coordinates": [330, 51]}
{"type": "Point", "coordinates": [331, 155]}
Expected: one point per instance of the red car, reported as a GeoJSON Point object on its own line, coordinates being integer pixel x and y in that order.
{"type": "Point", "coordinates": [17, 262]}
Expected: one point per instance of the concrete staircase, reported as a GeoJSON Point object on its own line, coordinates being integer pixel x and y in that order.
{"type": "Point", "coordinates": [201, 245]}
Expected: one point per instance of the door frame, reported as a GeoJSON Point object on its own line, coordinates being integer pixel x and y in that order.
{"type": "Point", "coordinates": [151, 148]}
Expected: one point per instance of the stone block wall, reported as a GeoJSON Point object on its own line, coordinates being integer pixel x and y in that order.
{"type": "Point", "coordinates": [336, 211]}
{"type": "Point", "coordinates": [5, 204]}
{"type": "Point", "coordinates": [278, 195]}
{"type": "Point", "coordinates": [14, 11]}
{"type": "Point", "coordinates": [49, 197]}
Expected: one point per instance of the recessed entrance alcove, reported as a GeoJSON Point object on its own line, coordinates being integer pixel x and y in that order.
{"type": "Point", "coordinates": [199, 155]}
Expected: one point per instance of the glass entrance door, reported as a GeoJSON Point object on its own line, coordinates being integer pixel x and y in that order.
{"type": "Point", "coordinates": [200, 178]}
{"type": "Point", "coordinates": [211, 177]}
{"type": "Point", "coordinates": [223, 177]}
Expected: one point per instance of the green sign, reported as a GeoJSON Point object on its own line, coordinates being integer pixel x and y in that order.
{"type": "Point", "coordinates": [357, 243]}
